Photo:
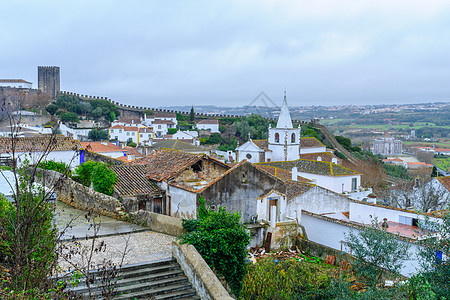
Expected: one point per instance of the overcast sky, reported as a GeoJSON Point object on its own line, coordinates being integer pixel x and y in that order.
{"type": "Point", "coordinates": [156, 53]}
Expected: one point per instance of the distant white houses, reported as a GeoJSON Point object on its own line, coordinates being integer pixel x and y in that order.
{"type": "Point", "coordinates": [212, 125]}
{"type": "Point", "coordinates": [16, 83]}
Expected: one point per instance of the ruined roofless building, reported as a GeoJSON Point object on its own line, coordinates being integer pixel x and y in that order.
{"type": "Point", "coordinates": [48, 80]}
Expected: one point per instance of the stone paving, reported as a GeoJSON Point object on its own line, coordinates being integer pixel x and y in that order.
{"type": "Point", "coordinates": [142, 246]}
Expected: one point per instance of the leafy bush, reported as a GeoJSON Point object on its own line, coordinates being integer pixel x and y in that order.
{"type": "Point", "coordinates": [70, 117]}
{"type": "Point", "coordinates": [60, 167]}
{"type": "Point", "coordinates": [97, 134]}
{"type": "Point", "coordinates": [103, 179]}
{"type": "Point", "coordinates": [84, 172]}
{"type": "Point", "coordinates": [221, 238]}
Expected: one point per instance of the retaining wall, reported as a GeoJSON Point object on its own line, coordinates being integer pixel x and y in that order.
{"type": "Point", "coordinates": [199, 273]}
{"type": "Point", "coordinates": [82, 197]}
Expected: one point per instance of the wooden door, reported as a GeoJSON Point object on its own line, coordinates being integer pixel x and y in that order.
{"type": "Point", "coordinates": [157, 205]}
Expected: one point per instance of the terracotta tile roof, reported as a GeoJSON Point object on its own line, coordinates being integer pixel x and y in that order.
{"type": "Point", "coordinates": [280, 173]}
{"type": "Point", "coordinates": [263, 144]}
{"type": "Point", "coordinates": [118, 127]}
{"type": "Point", "coordinates": [445, 181]}
{"type": "Point", "coordinates": [132, 180]}
{"type": "Point", "coordinates": [14, 81]}
{"type": "Point", "coordinates": [131, 128]}
{"type": "Point", "coordinates": [312, 166]}
{"type": "Point", "coordinates": [326, 156]}
{"type": "Point", "coordinates": [208, 122]}
{"type": "Point", "coordinates": [133, 151]}
{"type": "Point", "coordinates": [310, 142]}
{"type": "Point", "coordinates": [166, 163]}
{"type": "Point", "coordinates": [101, 147]}
{"type": "Point", "coordinates": [40, 143]}
{"type": "Point", "coordinates": [295, 188]}
{"type": "Point", "coordinates": [178, 145]}
{"type": "Point", "coordinates": [169, 122]}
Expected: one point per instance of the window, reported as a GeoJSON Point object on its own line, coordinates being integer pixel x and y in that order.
{"type": "Point", "coordinates": [248, 155]}
{"type": "Point", "coordinates": [128, 133]}
{"type": "Point", "coordinates": [141, 135]}
{"type": "Point", "coordinates": [159, 126]}
{"type": "Point", "coordinates": [112, 130]}
{"type": "Point", "coordinates": [120, 130]}
{"type": "Point", "coordinates": [293, 138]}
{"type": "Point", "coordinates": [277, 138]}
{"type": "Point", "coordinates": [354, 181]}
{"type": "Point", "coordinates": [132, 133]}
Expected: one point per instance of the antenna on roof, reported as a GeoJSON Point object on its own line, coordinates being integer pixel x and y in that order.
{"type": "Point", "coordinates": [284, 93]}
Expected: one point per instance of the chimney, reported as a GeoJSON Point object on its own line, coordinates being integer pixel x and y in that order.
{"type": "Point", "coordinates": [294, 174]}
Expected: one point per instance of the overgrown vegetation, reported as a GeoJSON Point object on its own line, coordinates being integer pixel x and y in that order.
{"type": "Point", "coordinates": [286, 279]}
{"type": "Point", "coordinates": [221, 239]}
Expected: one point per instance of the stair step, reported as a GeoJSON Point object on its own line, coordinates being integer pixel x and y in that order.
{"type": "Point", "coordinates": [135, 280]}
{"type": "Point", "coordinates": [147, 271]}
{"type": "Point", "coordinates": [169, 292]}
{"type": "Point", "coordinates": [183, 294]}
{"type": "Point", "coordinates": [167, 284]}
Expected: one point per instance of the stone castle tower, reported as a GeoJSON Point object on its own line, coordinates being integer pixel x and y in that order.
{"type": "Point", "coordinates": [48, 80]}
{"type": "Point", "coordinates": [284, 140]}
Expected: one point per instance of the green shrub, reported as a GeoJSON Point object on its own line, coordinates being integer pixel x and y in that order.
{"type": "Point", "coordinates": [60, 167]}
{"type": "Point", "coordinates": [171, 130]}
{"type": "Point", "coordinates": [103, 179]}
{"type": "Point", "coordinates": [84, 172]}
{"type": "Point", "coordinates": [221, 238]}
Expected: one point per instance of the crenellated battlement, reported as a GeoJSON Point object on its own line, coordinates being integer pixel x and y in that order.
{"type": "Point", "coordinates": [140, 109]}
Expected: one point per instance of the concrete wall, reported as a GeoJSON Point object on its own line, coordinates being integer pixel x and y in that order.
{"type": "Point", "coordinates": [203, 279]}
{"type": "Point", "coordinates": [238, 191]}
{"type": "Point", "coordinates": [364, 213]}
{"type": "Point", "coordinates": [157, 222]}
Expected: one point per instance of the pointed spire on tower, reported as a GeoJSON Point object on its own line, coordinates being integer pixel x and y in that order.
{"type": "Point", "coordinates": [284, 120]}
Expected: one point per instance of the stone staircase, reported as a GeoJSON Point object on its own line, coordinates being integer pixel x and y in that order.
{"type": "Point", "coordinates": [163, 279]}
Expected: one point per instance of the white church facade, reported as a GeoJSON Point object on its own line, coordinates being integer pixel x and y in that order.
{"type": "Point", "coordinates": [284, 143]}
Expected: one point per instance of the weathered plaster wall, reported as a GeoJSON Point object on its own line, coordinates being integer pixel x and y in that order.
{"type": "Point", "coordinates": [203, 279]}
{"type": "Point", "coordinates": [183, 203]}
{"type": "Point", "coordinates": [239, 190]}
